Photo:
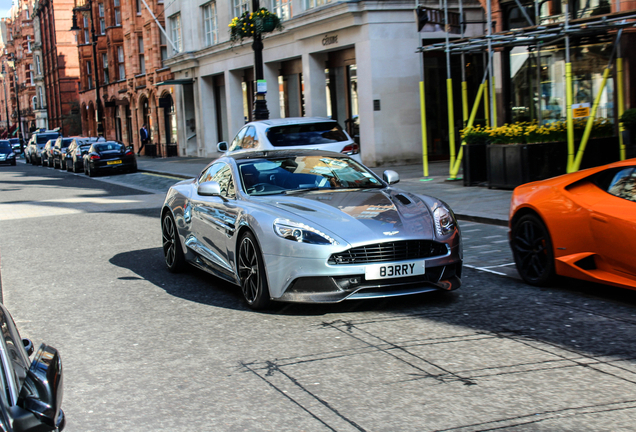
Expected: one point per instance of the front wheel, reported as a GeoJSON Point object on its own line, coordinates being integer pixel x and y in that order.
{"type": "Point", "coordinates": [172, 252]}
{"type": "Point", "coordinates": [251, 272]}
{"type": "Point", "coordinates": [532, 250]}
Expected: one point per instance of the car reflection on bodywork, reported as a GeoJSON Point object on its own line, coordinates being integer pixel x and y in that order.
{"type": "Point", "coordinates": [310, 226]}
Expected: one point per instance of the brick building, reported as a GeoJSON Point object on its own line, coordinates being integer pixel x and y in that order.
{"type": "Point", "coordinates": [17, 58]}
{"type": "Point", "coordinates": [56, 65]}
{"type": "Point", "coordinates": [121, 52]}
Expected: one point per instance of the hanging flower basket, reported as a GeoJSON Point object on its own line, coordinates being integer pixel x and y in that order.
{"type": "Point", "coordinates": [251, 24]}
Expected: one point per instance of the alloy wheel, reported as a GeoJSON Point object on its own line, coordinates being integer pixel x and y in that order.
{"type": "Point", "coordinates": [532, 250]}
{"type": "Point", "coordinates": [248, 270]}
{"type": "Point", "coordinates": [169, 241]}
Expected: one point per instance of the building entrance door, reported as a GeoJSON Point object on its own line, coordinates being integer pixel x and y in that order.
{"type": "Point", "coordinates": [341, 78]}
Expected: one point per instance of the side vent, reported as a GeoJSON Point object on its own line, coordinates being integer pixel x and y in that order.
{"type": "Point", "coordinates": [403, 199]}
{"type": "Point", "coordinates": [586, 263]}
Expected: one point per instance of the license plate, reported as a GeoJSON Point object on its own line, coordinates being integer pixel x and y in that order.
{"type": "Point", "coordinates": [115, 162]}
{"type": "Point", "coordinates": [394, 270]}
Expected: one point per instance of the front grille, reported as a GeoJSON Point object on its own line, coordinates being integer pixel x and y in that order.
{"type": "Point", "coordinates": [392, 251]}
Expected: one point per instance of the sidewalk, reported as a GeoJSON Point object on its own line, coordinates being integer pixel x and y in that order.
{"type": "Point", "coordinates": [469, 203]}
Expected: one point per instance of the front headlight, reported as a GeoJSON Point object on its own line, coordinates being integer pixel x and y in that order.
{"type": "Point", "coordinates": [444, 220]}
{"type": "Point", "coordinates": [301, 233]}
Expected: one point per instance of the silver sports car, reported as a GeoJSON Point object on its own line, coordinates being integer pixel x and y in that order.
{"type": "Point", "coordinates": [309, 226]}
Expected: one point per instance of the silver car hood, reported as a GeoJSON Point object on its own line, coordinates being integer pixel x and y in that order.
{"type": "Point", "coordinates": [361, 215]}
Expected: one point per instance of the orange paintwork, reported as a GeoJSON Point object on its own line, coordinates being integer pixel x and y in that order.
{"type": "Point", "coordinates": [584, 221]}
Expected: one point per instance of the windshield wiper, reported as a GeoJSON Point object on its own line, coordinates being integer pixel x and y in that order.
{"type": "Point", "coordinates": [293, 191]}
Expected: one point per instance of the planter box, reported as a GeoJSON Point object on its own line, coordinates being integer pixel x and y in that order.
{"type": "Point", "coordinates": [474, 164]}
{"type": "Point", "coordinates": [510, 165]}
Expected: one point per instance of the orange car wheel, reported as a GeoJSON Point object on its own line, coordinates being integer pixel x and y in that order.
{"type": "Point", "coordinates": [532, 250]}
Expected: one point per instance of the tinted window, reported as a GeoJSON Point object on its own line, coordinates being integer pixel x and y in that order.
{"type": "Point", "coordinates": [306, 134]}
{"type": "Point", "coordinates": [66, 142]}
{"type": "Point", "coordinates": [623, 184]}
{"type": "Point", "coordinates": [209, 173]}
{"type": "Point", "coordinates": [5, 146]}
{"type": "Point", "coordinates": [108, 146]}
{"type": "Point", "coordinates": [43, 138]}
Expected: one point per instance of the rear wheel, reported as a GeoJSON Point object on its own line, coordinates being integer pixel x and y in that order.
{"type": "Point", "coordinates": [252, 273]}
{"type": "Point", "coordinates": [172, 252]}
{"type": "Point", "coordinates": [90, 172]}
{"type": "Point", "coordinates": [532, 250]}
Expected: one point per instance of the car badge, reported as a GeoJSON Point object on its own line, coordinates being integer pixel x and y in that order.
{"type": "Point", "coordinates": [390, 233]}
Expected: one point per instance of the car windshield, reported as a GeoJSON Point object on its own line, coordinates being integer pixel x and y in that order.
{"type": "Point", "coordinates": [66, 142]}
{"type": "Point", "coordinates": [296, 174]}
{"type": "Point", "coordinates": [110, 146]}
{"type": "Point", "coordinates": [43, 138]}
{"type": "Point", "coordinates": [306, 134]}
{"type": "Point", "coordinates": [5, 146]}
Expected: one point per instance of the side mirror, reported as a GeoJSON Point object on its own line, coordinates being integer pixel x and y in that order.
{"type": "Point", "coordinates": [210, 188]}
{"type": "Point", "coordinates": [221, 147]}
{"type": "Point", "coordinates": [41, 395]}
{"type": "Point", "coordinates": [391, 177]}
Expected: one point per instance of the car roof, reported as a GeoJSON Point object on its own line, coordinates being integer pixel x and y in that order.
{"type": "Point", "coordinates": [293, 121]}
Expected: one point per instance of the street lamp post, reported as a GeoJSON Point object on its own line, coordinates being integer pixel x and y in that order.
{"type": "Point", "coordinates": [17, 101]}
{"type": "Point", "coordinates": [75, 29]}
{"type": "Point", "coordinates": [260, 104]}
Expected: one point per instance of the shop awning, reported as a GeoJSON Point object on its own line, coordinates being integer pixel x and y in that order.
{"type": "Point", "coordinates": [176, 82]}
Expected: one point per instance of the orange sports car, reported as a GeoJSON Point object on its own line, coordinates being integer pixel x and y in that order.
{"type": "Point", "coordinates": [580, 225]}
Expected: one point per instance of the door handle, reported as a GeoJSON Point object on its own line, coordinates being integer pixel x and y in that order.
{"type": "Point", "coordinates": [599, 217]}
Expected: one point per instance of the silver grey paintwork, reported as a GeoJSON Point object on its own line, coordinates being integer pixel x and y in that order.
{"type": "Point", "coordinates": [210, 226]}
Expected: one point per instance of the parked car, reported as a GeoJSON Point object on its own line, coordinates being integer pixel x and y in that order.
{"type": "Point", "coordinates": [33, 151]}
{"type": "Point", "coordinates": [15, 143]}
{"type": "Point", "coordinates": [309, 226]}
{"type": "Point", "coordinates": [7, 154]}
{"type": "Point", "coordinates": [58, 153]}
{"type": "Point", "coordinates": [108, 156]}
{"type": "Point", "coordinates": [293, 133]}
{"type": "Point", "coordinates": [47, 153]}
{"type": "Point", "coordinates": [76, 150]}
{"type": "Point", "coordinates": [580, 225]}
{"type": "Point", "coordinates": [33, 392]}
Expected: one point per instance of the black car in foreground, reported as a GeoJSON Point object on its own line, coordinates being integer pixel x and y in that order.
{"type": "Point", "coordinates": [109, 156]}
{"type": "Point", "coordinates": [33, 389]}
{"type": "Point", "coordinates": [7, 155]}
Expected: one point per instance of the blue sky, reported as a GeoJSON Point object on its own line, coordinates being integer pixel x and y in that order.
{"type": "Point", "coordinates": [5, 5]}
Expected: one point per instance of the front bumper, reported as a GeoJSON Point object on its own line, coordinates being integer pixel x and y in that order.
{"type": "Point", "coordinates": [302, 280]}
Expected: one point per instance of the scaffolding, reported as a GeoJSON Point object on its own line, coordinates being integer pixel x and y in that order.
{"type": "Point", "coordinates": [534, 35]}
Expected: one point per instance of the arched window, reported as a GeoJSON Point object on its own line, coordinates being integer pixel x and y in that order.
{"type": "Point", "coordinates": [34, 102]}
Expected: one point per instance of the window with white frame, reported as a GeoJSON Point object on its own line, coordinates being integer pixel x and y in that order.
{"type": "Point", "coordinates": [34, 102]}
{"type": "Point", "coordinates": [117, 7]}
{"type": "Point", "coordinates": [89, 76]}
{"type": "Point", "coordinates": [27, 14]}
{"type": "Point", "coordinates": [142, 59]}
{"type": "Point", "coordinates": [105, 67]}
{"type": "Point", "coordinates": [121, 64]}
{"type": "Point", "coordinates": [29, 43]}
{"type": "Point", "coordinates": [38, 65]}
{"type": "Point", "coordinates": [102, 21]}
{"type": "Point", "coordinates": [175, 29]}
{"type": "Point", "coordinates": [86, 37]}
{"type": "Point", "coordinates": [209, 23]}
{"type": "Point", "coordinates": [40, 97]}
{"type": "Point", "coordinates": [309, 4]}
{"type": "Point", "coordinates": [282, 8]}
{"type": "Point", "coordinates": [29, 71]}
{"type": "Point", "coordinates": [241, 6]}
{"type": "Point", "coordinates": [138, 3]}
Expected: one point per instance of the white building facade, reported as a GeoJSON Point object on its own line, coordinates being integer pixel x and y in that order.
{"type": "Point", "coordinates": [353, 61]}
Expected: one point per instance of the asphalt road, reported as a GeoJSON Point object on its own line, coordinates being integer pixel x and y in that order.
{"type": "Point", "coordinates": [146, 350]}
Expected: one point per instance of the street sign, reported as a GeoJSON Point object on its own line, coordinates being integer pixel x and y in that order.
{"type": "Point", "coordinates": [580, 110]}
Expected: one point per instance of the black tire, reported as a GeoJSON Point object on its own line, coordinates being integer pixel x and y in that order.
{"type": "Point", "coordinates": [172, 252]}
{"type": "Point", "coordinates": [90, 172]}
{"type": "Point", "coordinates": [532, 250]}
{"type": "Point", "coordinates": [251, 272]}
{"type": "Point", "coordinates": [13, 162]}
{"type": "Point", "coordinates": [69, 166]}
